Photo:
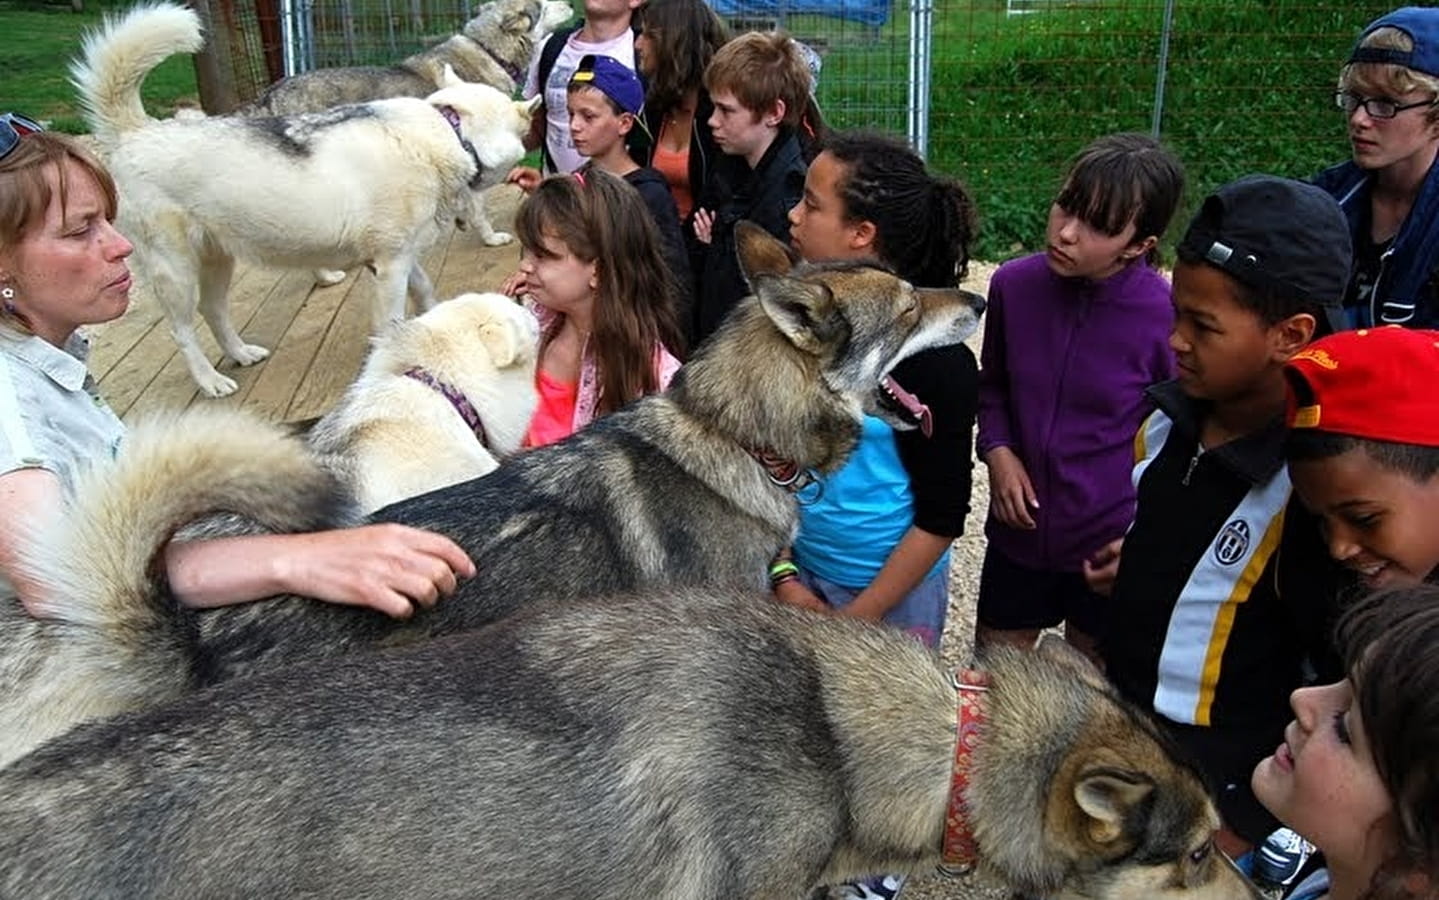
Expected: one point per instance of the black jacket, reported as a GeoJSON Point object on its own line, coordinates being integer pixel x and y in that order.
{"type": "Point", "coordinates": [655, 191]}
{"type": "Point", "coordinates": [764, 195]}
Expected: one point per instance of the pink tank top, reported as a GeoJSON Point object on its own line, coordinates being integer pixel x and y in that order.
{"type": "Point", "coordinates": [555, 416]}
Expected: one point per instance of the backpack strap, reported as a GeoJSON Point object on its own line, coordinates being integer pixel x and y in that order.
{"type": "Point", "coordinates": [549, 53]}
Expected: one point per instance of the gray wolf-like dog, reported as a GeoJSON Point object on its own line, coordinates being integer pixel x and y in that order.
{"type": "Point", "coordinates": [493, 48]}
{"type": "Point", "coordinates": [692, 486]}
{"type": "Point", "coordinates": [440, 399]}
{"type": "Point", "coordinates": [370, 184]}
{"type": "Point", "coordinates": [695, 745]}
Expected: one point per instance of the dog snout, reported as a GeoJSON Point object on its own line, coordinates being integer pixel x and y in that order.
{"type": "Point", "coordinates": [976, 302]}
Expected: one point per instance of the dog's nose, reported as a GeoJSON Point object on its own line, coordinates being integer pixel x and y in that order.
{"type": "Point", "coordinates": [977, 301]}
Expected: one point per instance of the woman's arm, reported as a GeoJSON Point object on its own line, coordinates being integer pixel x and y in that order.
{"type": "Point", "coordinates": [25, 497]}
{"type": "Point", "coordinates": [386, 567]}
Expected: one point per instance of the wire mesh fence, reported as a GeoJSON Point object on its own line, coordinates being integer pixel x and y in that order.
{"type": "Point", "coordinates": [999, 93]}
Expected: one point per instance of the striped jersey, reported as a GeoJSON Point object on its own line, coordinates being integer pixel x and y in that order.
{"type": "Point", "coordinates": [1224, 583]}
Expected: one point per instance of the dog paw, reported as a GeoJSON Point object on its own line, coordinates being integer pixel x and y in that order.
{"type": "Point", "coordinates": [327, 277]}
{"type": "Point", "coordinates": [498, 238]}
{"type": "Point", "coordinates": [247, 355]}
{"type": "Point", "coordinates": [216, 385]}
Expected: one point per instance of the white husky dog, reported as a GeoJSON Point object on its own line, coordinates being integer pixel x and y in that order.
{"type": "Point", "coordinates": [370, 183]}
{"type": "Point", "coordinates": [441, 399]}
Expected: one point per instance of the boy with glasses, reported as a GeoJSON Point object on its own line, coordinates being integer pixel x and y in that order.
{"type": "Point", "coordinates": [1389, 94]}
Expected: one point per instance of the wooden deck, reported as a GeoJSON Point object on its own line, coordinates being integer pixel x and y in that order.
{"type": "Point", "coordinates": [317, 336]}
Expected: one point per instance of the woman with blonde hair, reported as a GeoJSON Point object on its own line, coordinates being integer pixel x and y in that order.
{"type": "Point", "coordinates": [63, 266]}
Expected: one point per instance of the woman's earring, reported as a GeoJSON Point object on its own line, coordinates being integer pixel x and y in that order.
{"type": "Point", "coordinates": [7, 294]}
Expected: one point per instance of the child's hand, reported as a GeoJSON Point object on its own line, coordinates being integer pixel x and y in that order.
{"type": "Point", "coordinates": [794, 593]}
{"type": "Point", "coordinates": [1011, 495]}
{"type": "Point", "coordinates": [525, 177]}
{"type": "Point", "coordinates": [704, 225]}
{"type": "Point", "coordinates": [513, 286]}
{"type": "Point", "coordinates": [1100, 569]}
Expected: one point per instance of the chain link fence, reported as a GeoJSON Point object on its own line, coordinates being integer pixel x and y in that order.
{"type": "Point", "coordinates": [999, 93]}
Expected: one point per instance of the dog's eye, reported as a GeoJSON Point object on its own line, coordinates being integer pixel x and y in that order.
{"type": "Point", "coordinates": [1200, 854]}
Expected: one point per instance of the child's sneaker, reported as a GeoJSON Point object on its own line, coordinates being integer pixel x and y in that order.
{"type": "Point", "coordinates": [879, 888]}
{"type": "Point", "coordinates": [1278, 860]}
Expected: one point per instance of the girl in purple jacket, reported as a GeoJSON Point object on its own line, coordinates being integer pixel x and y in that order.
{"type": "Point", "coordinates": [1072, 338]}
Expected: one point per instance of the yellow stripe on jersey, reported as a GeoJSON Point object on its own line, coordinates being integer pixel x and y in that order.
{"type": "Point", "coordinates": [1203, 615]}
{"type": "Point", "coordinates": [1224, 623]}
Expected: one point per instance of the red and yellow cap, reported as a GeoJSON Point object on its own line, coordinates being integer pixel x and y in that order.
{"type": "Point", "coordinates": [1381, 384]}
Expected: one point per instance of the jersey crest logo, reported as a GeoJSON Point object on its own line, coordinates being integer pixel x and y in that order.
{"type": "Point", "coordinates": [1232, 543]}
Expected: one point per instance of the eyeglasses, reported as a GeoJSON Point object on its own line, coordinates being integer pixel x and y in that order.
{"type": "Point", "coordinates": [13, 127]}
{"type": "Point", "coordinates": [1376, 107]}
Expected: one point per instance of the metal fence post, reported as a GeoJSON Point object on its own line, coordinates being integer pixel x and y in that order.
{"type": "Point", "coordinates": [921, 58]}
{"type": "Point", "coordinates": [1156, 118]}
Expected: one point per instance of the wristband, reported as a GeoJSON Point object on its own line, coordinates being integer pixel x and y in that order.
{"type": "Point", "coordinates": [782, 567]}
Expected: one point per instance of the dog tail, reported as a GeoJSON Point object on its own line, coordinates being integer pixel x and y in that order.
{"type": "Point", "coordinates": [97, 563]}
{"type": "Point", "coordinates": [117, 57]}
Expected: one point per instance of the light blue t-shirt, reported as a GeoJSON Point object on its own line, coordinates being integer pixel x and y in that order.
{"type": "Point", "coordinates": [863, 512]}
{"type": "Point", "coordinates": [51, 415]}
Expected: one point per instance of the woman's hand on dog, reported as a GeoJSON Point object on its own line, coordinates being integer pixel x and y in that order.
{"type": "Point", "coordinates": [387, 567]}
{"type": "Point", "coordinates": [1011, 494]}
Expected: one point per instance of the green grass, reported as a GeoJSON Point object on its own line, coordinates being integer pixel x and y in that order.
{"type": "Point", "coordinates": [1013, 97]}
{"type": "Point", "coordinates": [1248, 89]}
{"type": "Point", "coordinates": [41, 39]}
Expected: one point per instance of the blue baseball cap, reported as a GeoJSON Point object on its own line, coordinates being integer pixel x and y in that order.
{"type": "Point", "coordinates": [613, 79]}
{"type": "Point", "coordinates": [1421, 24]}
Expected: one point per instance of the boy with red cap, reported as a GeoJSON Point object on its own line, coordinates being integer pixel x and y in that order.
{"type": "Point", "coordinates": [1363, 449]}
{"type": "Point", "coordinates": [1215, 610]}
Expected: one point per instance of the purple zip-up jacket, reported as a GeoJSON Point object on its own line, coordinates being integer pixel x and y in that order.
{"type": "Point", "coordinates": [1061, 383]}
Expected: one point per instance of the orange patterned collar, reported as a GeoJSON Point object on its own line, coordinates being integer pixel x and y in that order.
{"type": "Point", "coordinates": [959, 851]}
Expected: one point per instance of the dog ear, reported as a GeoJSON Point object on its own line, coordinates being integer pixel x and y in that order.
{"type": "Point", "coordinates": [1056, 649]}
{"type": "Point", "coordinates": [760, 253]}
{"type": "Point", "coordinates": [448, 78]}
{"type": "Point", "coordinates": [804, 312]}
{"type": "Point", "coordinates": [501, 342]}
{"type": "Point", "coordinates": [528, 107]}
{"type": "Point", "coordinates": [1108, 796]}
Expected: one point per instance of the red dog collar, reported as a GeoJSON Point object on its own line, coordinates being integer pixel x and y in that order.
{"type": "Point", "coordinates": [959, 851]}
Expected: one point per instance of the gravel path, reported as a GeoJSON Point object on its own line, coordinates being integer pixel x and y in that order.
{"type": "Point", "coordinates": [958, 642]}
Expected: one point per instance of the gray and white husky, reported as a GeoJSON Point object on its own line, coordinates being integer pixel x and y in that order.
{"type": "Point", "coordinates": [686, 745]}
{"type": "Point", "coordinates": [493, 48]}
{"type": "Point", "coordinates": [368, 184]}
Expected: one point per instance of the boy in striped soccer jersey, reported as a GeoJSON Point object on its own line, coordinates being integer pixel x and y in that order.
{"type": "Point", "coordinates": [1214, 602]}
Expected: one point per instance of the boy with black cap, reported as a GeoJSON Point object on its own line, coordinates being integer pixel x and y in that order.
{"type": "Point", "coordinates": [1389, 93]}
{"type": "Point", "coordinates": [1213, 607]}
{"type": "Point", "coordinates": [1363, 449]}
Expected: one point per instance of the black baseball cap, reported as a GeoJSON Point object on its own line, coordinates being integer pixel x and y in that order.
{"type": "Point", "coordinates": [1279, 235]}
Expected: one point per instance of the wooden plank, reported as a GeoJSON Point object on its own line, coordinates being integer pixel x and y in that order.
{"type": "Point", "coordinates": [172, 387]}
{"type": "Point", "coordinates": [320, 368]}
